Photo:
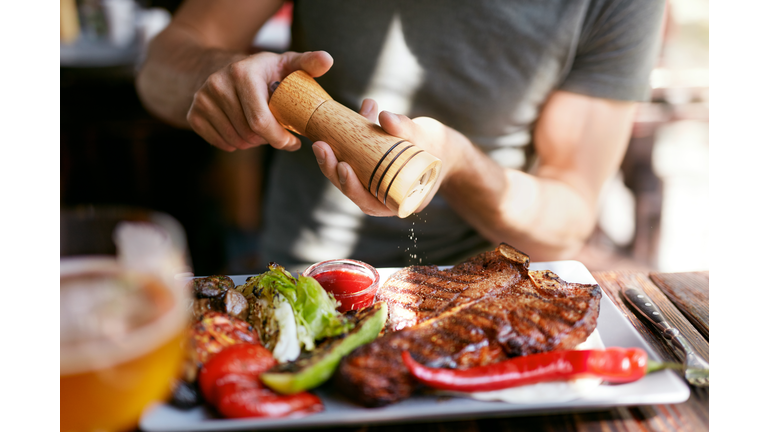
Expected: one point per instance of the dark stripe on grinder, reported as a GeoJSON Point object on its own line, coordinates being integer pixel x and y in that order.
{"type": "Point", "coordinates": [373, 173]}
{"type": "Point", "coordinates": [378, 186]}
{"type": "Point", "coordinates": [398, 172]}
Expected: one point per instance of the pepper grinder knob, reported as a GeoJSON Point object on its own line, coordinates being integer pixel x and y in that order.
{"type": "Point", "coordinates": [398, 173]}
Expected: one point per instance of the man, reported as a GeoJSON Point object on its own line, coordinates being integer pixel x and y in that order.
{"type": "Point", "coordinates": [528, 104]}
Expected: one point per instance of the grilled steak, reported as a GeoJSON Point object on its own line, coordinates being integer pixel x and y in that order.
{"type": "Point", "coordinates": [481, 311]}
{"type": "Point", "coordinates": [417, 292]}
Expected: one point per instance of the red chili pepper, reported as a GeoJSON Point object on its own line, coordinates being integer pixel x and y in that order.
{"type": "Point", "coordinates": [230, 382]}
{"type": "Point", "coordinates": [615, 365]}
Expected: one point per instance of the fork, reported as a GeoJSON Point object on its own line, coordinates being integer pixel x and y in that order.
{"type": "Point", "coordinates": [696, 369]}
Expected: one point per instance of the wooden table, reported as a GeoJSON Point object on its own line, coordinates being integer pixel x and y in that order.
{"type": "Point", "coordinates": [684, 299]}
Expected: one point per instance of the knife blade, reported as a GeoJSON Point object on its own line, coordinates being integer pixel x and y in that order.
{"type": "Point", "coordinates": [696, 369]}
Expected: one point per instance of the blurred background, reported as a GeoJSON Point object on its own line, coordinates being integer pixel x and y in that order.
{"type": "Point", "coordinates": [654, 214]}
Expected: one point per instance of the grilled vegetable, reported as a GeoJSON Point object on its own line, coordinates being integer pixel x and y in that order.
{"type": "Point", "coordinates": [216, 331]}
{"type": "Point", "coordinates": [229, 382]}
{"type": "Point", "coordinates": [314, 368]}
{"type": "Point", "coordinates": [217, 293]}
{"type": "Point", "coordinates": [233, 303]}
{"type": "Point", "coordinates": [212, 286]}
{"type": "Point", "coordinates": [615, 365]}
{"type": "Point", "coordinates": [289, 313]}
{"type": "Point", "coordinates": [211, 334]}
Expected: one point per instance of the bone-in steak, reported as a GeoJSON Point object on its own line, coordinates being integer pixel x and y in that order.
{"type": "Point", "coordinates": [417, 292]}
{"type": "Point", "coordinates": [479, 312]}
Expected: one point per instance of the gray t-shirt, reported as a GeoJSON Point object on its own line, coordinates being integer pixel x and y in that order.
{"type": "Point", "coordinates": [484, 68]}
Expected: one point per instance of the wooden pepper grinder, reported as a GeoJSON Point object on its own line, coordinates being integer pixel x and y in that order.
{"type": "Point", "coordinates": [398, 173]}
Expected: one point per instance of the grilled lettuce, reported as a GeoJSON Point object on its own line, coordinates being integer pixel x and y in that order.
{"type": "Point", "coordinates": [291, 314]}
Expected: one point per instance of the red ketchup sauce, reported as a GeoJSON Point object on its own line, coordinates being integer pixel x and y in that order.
{"type": "Point", "coordinates": [348, 287]}
{"type": "Point", "coordinates": [353, 283]}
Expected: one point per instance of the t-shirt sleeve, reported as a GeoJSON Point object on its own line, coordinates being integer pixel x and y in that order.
{"type": "Point", "coordinates": [617, 50]}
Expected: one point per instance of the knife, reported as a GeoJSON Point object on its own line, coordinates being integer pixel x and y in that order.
{"type": "Point", "coordinates": [696, 369]}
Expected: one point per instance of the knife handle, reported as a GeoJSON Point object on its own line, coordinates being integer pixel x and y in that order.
{"type": "Point", "coordinates": [640, 301]}
{"type": "Point", "coordinates": [647, 308]}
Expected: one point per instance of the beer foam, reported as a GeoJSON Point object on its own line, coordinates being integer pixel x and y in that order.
{"type": "Point", "coordinates": [106, 340]}
{"type": "Point", "coordinates": [147, 247]}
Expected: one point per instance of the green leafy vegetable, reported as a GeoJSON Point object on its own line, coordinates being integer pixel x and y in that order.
{"type": "Point", "coordinates": [314, 309]}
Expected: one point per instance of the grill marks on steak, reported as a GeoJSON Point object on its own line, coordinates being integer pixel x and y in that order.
{"type": "Point", "coordinates": [552, 316]}
{"type": "Point", "coordinates": [435, 290]}
{"type": "Point", "coordinates": [415, 293]}
{"type": "Point", "coordinates": [569, 310]}
{"type": "Point", "coordinates": [504, 312]}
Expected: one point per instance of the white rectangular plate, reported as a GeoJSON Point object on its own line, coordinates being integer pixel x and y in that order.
{"type": "Point", "coordinates": [662, 387]}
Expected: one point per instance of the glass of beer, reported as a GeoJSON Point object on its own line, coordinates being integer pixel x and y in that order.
{"type": "Point", "coordinates": [123, 314]}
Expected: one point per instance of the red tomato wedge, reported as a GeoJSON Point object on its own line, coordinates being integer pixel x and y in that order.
{"type": "Point", "coordinates": [230, 382]}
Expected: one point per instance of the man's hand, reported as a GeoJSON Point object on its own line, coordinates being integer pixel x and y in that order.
{"type": "Point", "coordinates": [427, 133]}
{"type": "Point", "coordinates": [231, 109]}
{"type": "Point", "coordinates": [579, 140]}
{"type": "Point", "coordinates": [197, 74]}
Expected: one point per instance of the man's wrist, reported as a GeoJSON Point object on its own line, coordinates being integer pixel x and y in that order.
{"type": "Point", "coordinates": [174, 70]}
{"type": "Point", "coordinates": [458, 153]}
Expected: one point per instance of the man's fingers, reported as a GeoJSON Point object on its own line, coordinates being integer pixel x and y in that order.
{"type": "Point", "coordinates": [293, 147]}
{"type": "Point", "coordinates": [326, 160]}
{"type": "Point", "coordinates": [315, 63]}
{"type": "Point", "coordinates": [221, 123]}
{"type": "Point", "coordinates": [425, 131]}
{"type": "Point", "coordinates": [204, 128]}
{"type": "Point", "coordinates": [233, 110]}
{"type": "Point", "coordinates": [350, 185]}
{"type": "Point", "coordinates": [397, 125]}
{"type": "Point", "coordinates": [234, 101]}
{"type": "Point", "coordinates": [252, 81]}
{"type": "Point", "coordinates": [344, 178]}
{"type": "Point", "coordinates": [253, 99]}
{"type": "Point", "coordinates": [369, 109]}
{"type": "Point", "coordinates": [209, 121]}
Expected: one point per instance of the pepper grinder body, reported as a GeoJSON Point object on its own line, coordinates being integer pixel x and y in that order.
{"type": "Point", "coordinates": [398, 173]}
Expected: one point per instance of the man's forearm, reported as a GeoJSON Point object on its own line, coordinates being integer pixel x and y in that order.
{"type": "Point", "coordinates": [175, 68]}
{"type": "Point", "coordinates": [544, 217]}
